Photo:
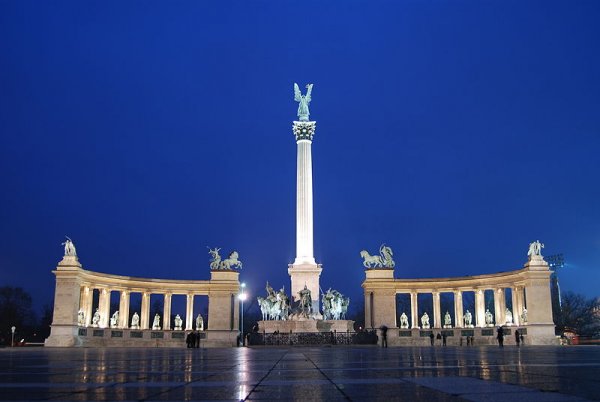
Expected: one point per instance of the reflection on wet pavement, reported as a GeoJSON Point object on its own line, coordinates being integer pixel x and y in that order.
{"type": "Point", "coordinates": [302, 373]}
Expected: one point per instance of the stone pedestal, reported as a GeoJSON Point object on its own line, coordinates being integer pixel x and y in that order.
{"type": "Point", "coordinates": [309, 275]}
{"type": "Point", "coordinates": [306, 325]}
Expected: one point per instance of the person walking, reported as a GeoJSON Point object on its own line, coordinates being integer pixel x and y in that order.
{"type": "Point", "coordinates": [431, 337]}
{"type": "Point", "coordinates": [188, 340]}
{"type": "Point", "coordinates": [444, 336]}
{"type": "Point", "coordinates": [500, 337]}
{"type": "Point", "coordinates": [517, 337]}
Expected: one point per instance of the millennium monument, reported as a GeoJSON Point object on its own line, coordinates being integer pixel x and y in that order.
{"type": "Point", "coordinates": [277, 312]}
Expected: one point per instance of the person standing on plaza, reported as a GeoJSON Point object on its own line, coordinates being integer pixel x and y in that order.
{"type": "Point", "coordinates": [444, 336]}
{"type": "Point", "coordinates": [384, 330]}
{"type": "Point", "coordinates": [431, 337]}
{"type": "Point", "coordinates": [517, 337]}
{"type": "Point", "coordinates": [500, 337]}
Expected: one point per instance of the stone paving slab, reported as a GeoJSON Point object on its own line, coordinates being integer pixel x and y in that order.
{"type": "Point", "coordinates": [544, 373]}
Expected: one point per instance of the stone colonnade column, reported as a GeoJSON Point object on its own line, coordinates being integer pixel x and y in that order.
{"type": "Point", "coordinates": [458, 309]}
{"type": "Point", "coordinates": [500, 306]}
{"type": "Point", "coordinates": [414, 310]}
{"type": "Point", "coordinates": [515, 306]}
{"type": "Point", "coordinates": [124, 310]}
{"type": "Point", "coordinates": [436, 309]}
{"type": "Point", "coordinates": [479, 308]}
{"type": "Point", "coordinates": [88, 304]}
{"type": "Point", "coordinates": [167, 311]}
{"type": "Point", "coordinates": [104, 307]}
{"type": "Point", "coordinates": [145, 313]}
{"type": "Point", "coordinates": [520, 302]}
{"type": "Point", "coordinates": [189, 313]}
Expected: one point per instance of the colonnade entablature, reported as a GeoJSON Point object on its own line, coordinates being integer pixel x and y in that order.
{"type": "Point", "coordinates": [527, 290]}
{"type": "Point", "coordinates": [74, 304]}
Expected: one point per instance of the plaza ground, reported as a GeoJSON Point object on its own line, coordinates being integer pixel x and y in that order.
{"type": "Point", "coordinates": [530, 373]}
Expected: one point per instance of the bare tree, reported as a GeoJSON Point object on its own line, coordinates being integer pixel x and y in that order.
{"type": "Point", "coordinates": [579, 313]}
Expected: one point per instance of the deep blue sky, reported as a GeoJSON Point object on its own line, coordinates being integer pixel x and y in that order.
{"type": "Point", "coordinates": [455, 132]}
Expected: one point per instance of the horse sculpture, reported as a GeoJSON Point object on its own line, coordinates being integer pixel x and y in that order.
{"type": "Point", "coordinates": [371, 261]}
{"type": "Point", "coordinates": [231, 261]}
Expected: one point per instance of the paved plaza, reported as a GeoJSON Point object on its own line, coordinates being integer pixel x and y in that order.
{"type": "Point", "coordinates": [536, 373]}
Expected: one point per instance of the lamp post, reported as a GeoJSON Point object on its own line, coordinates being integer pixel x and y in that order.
{"type": "Point", "coordinates": [12, 341]}
{"type": "Point", "coordinates": [242, 297]}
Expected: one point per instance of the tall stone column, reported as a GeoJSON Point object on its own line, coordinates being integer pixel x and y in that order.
{"type": "Point", "coordinates": [167, 312]}
{"type": "Point", "coordinates": [304, 271]}
{"type": "Point", "coordinates": [458, 309]}
{"type": "Point", "coordinates": [414, 309]}
{"type": "Point", "coordinates": [436, 310]}
{"type": "Point", "coordinates": [515, 306]}
{"type": "Point", "coordinates": [479, 308]}
{"type": "Point", "coordinates": [145, 313]}
{"type": "Point", "coordinates": [499, 306]}
{"type": "Point", "coordinates": [189, 312]}
{"type": "Point", "coordinates": [124, 309]}
{"type": "Point", "coordinates": [104, 307]}
{"type": "Point", "coordinates": [89, 304]}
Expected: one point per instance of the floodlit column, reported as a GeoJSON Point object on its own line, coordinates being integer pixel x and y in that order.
{"type": "Point", "coordinates": [167, 312]}
{"type": "Point", "coordinates": [458, 309]}
{"type": "Point", "coordinates": [124, 310]}
{"type": "Point", "coordinates": [89, 301]}
{"type": "Point", "coordinates": [104, 307]}
{"type": "Point", "coordinates": [479, 308]}
{"type": "Point", "coordinates": [414, 310]}
{"type": "Point", "coordinates": [145, 313]}
{"type": "Point", "coordinates": [499, 306]}
{"type": "Point", "coordinates": [515, 306]}
{"type": "Point", "coordinates": [436, 310]}
{"type": "Point", "coordinates": [189, 313]}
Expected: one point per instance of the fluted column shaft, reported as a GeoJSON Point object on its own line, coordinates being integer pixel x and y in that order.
{"type": "Point", "coordinates": [414, 310]}
{"type": "Point", "coordinates": [458, 309]}
{"type": "Point", "coordinates": [104, 307]}
{"type": "Point", "coordinates": [436, 310]}
{"type": "Point", "coordinates": [479, 308]}
{"type": "Point", "coordinates": [124, 310]}
{"type": "Point", "coordinates": [145, 313]}
{"type": "Point", "coordinates": [304, 205]}
{"type": "Point", "coordinates": [167, 312]}
{"type": "Point", "coordinates": [189, 313]}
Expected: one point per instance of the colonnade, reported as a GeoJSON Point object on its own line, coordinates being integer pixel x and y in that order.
{"type": "Point", "coordinates": [499, 311]}
{"type": "Point", "coordinates": [74, 293]}
{"type": "Point", "coordinates": [86, 305]}
{"type": "Point", "coordinates": [529, 289]}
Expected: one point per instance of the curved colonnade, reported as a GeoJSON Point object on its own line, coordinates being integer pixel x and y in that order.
{"type": "Point", "coordinates": [529, 289]}
{"type": "Point", "coordinates": [74, 293]}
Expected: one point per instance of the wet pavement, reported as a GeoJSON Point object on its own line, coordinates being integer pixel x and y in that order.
{"type": "Point", "coordinates": [303, 373]}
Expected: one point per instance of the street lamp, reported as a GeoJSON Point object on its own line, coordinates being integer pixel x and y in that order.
{"type": "Point", "coordinates": [12, 341]}
{"type": "Point", "coordinates": [242, 297]}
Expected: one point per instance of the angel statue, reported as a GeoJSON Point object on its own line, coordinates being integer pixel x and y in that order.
{"type": "Point", "coordinates": [215, 262]}
{"type": "Point", "coordinates": [303, 100]}
{"type": "Point", "coordinates": [69, 248]}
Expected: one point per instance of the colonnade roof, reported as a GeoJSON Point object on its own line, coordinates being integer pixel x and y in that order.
{"type": "Point", "coordinates": [155, 285]}
{"type": "Point", "coordinates": [504, 279]}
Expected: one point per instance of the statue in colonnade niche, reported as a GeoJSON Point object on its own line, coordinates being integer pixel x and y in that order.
{"type": "Point", "coordinates": [524, 316]}
{"type": "Point", "coordinates": [81, 318]}
{"type": "Point", "coordinates": [135, 321]}
{"type": "Point", "coordinates": [468, 319]}
{"type": "Point", "coordinates": [156, 322]}
{"type": "Point", "coordinates": [199, 323]}
{"type": "Point", "coordinates": [114, 320]}
{"type": "Point", "coordinates": [509, 317]}
{"type": "Point", "coordinates": [178, 322]}
{"type": "Point", "coordinates": [425, 320]}
{"type": "Point", "coordinates": [403, 320]}
{"type": "Point", "coordinates": [96, 319]}
{"type": "Point", "coordinates": [447, 320]}
{"type": "Point", "coordinates": [70, 250]}
{"type": "Point", "coordinates": [535, 248]}
{"type": "Point", "coordinates": [489, 318]}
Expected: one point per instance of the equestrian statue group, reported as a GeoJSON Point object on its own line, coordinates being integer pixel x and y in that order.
{"type": "Point", "coordinates": [230, 262]}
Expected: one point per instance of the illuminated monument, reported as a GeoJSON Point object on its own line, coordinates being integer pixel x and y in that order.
{"type": "Point", "coordinates": [304, 270]}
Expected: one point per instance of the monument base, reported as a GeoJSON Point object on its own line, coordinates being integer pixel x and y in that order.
{"type": "Point", "coordinates": [306, 325]}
